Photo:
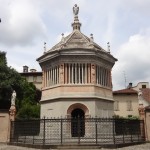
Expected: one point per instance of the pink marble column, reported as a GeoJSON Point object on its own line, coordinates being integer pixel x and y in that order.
{"type": "Point", "coordinates": [93, 79]}
{"type": "Point", "coordinates": [61, 75]}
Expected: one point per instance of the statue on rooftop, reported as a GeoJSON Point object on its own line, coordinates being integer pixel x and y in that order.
{"type": "Point", "coordinates": [75, 10]}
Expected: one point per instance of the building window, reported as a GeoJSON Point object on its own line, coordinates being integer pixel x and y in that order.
{"type": "Point", "coordinates": [143, 86]}
{"type": "Point", "coordinates": [34, 78]}
{"type": "Point", "coordinates": [116, 105]}
{"type": "Point", "coordinates": [129, 105]}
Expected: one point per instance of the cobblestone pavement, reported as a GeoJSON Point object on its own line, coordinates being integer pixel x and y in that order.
{"type": "Point", "coordinates": [135, 147]}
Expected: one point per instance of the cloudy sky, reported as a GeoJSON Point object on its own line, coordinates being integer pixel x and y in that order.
{"type": "Point", "coordinates": [27, 24]}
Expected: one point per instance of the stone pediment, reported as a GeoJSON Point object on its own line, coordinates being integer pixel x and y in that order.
{"type": "Point", "coordinates": [77, 37]}
{"type": "Point", "coordinates": [75, 40]}
{"type": "Point", "coordinates": [74, 43]}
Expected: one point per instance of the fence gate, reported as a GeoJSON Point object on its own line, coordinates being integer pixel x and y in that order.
{"type": "Point", "coordinates": [78, 130]}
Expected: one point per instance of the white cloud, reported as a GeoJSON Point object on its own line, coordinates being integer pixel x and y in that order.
{"type": "Point", "coordinates": [133, 59]}
{"type": "Point", "coordinates": [22, 24]}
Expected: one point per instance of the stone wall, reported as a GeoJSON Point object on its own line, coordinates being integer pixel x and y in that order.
{"type": "Point", "coordinates": [147, 123]}
{"type": "Point", "coordinates": [144, 113]}
{"type": "Point", "coordinates": [122, 109]}
{"type": "Point", "coordinates": [4, 125]}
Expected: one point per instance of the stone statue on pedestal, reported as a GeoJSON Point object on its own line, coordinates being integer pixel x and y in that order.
{"type": "Point", "coordinates": [13, 98]}
{"type": "Point", "coordinates": [12, 110]}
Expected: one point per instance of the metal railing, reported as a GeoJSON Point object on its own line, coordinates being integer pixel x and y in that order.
{"type": "Point", "coordinates": [77, 131]}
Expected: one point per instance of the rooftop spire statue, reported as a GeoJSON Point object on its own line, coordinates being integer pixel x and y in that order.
{"type": "Point", "coordinates": [76, 25]}
{"type": "Point", "coordinates": [75, 10]}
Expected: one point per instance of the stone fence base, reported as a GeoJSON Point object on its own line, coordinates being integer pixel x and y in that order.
{"type": "Point", "coordinates": [4, 126]}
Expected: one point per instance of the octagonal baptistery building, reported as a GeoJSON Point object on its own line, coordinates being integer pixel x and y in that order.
{"type": "Point", "coordinates": [76, 77]}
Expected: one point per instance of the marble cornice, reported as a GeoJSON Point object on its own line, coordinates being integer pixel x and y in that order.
{"type": "Point", "coordinates": [78, 53]}
{"type": "Point", "coordinates": [56, 98]}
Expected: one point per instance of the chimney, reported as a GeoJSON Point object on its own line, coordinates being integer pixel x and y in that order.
{"type": "Point", "coordinates": [130, 85]}
{"type": "Point", "coordinates": [25, 68]}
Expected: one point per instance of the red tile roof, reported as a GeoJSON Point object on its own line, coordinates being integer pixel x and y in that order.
{"type": "Point", "coordinates": [125, 91]}
{"type": "Point", "coordinates": [31, 73]}
{"type": "Point", "coordinates": [146, 93]}
{"type": "Point", "coordinates": [147, 107]}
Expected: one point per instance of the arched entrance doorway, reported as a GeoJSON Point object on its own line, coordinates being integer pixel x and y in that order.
{"type": "Point", "coordinates": [77, 123]}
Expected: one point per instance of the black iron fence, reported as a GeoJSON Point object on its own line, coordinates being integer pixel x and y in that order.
{"type": "Point", "coordinates": [77, 131]}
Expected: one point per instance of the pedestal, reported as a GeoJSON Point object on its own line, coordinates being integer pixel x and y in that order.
{"type": "Point", "coordinates": [12, 112]}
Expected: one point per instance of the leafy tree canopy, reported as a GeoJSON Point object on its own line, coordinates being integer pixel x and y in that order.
{"type": "Point", "coordinates": [26, 100]}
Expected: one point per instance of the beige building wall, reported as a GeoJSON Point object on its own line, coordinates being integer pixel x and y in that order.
{"type": "Point", "coordinates": [38, 85]}
{"type": "Point", "coordinates": [104, 109]}
{"type": "Point", "coordinates": [60, 108]}
{"type": "Point", "coordinates": [123, 100]}
{"type": "Point", "coordinates": [36, 80]}
{"type": "Point", "coordinates": [76, 91]}
{"type": "Point", "coordinates": [56, 100]}
{"type": "Point", "coordinates": [140, 86]}
{"type": "Point", "coordinates": [4, 126]}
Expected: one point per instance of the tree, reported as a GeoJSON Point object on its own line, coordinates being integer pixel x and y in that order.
{"type": "Point", "coordinates": [5, 82]}
{"type": "Point", "coordinates": [11, 80]}
{"type": "Point", "coordinates": [3, 59]}
{"type": "Point", "coordinates": [29, 111]}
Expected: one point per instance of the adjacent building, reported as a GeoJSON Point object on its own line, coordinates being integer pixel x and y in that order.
{"type": "Point", "coordinates": [32, 76]}
{"type": "Point", "coordinates": [128, 101]}
{"type": "Point", "coordinates": [143, 93]}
